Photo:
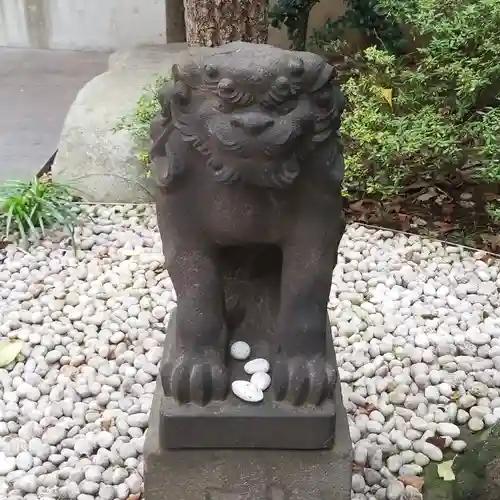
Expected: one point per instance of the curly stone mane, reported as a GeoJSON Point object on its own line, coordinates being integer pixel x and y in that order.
{"type": "Point", "coordinates": [256, 120]}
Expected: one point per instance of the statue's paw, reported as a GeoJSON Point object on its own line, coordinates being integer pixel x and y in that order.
{"type": "Point", "coordinates": [195, 378]}
{"type": "Point", "coordinates": [302, 380]}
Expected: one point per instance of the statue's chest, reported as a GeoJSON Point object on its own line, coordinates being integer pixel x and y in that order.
{"type": "Point", "coordinates": [239, 214]}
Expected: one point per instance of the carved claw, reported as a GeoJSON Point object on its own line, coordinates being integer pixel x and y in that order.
{"type": "Point", "coordinates": [301, 380]}
{"type": "Point", "coordinates": [195, 378]}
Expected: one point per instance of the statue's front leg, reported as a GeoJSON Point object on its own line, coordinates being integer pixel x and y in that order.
{"type": "Point", "coordinates": [197, 370]}
{"type": "Point", "coordinates": [301, 374]}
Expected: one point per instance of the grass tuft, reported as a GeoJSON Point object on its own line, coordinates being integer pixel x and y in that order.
{"type": "Point", "coordinates": [28, 209]}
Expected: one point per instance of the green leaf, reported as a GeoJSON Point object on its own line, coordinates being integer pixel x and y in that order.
{"type": "Point", "coordinates": [40, 223]}
{"type": "Point", "coordinates": [9, 350]}
{"type": "Point", "coordinates": [445, 470]}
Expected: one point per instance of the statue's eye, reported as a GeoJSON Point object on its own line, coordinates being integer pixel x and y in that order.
{"type": "Point", "coordinates": [233, 97]}
{"type": "Point", "coordinates": [226, 87]}
{"type": "Point", "coordinates": [211, 70]}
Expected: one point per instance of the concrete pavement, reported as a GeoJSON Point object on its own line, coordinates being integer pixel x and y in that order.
{"type": "Point", "coordinates": [37, 88]}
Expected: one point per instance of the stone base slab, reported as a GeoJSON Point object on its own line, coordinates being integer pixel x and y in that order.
{"type": "Point", "coordinates": [247, 474]}
{"type": "Point", "coordinates": [233, 423]}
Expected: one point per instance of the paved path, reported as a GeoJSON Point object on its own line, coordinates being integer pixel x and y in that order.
{"type": "Point", "coordinates": [36, 89]}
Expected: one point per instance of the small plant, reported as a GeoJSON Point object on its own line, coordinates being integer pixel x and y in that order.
{"type": "Point", "coordinates": [139, 120]}
{"type": "Point", "coordinates": [493, 210]}
{"type": "Point", "coordinates": [27, 209]}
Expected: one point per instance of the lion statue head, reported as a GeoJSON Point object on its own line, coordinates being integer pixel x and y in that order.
{"type": "Point", "coordinates": [258, 114]}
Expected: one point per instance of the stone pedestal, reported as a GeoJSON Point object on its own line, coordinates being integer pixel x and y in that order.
{"type": "Point", "coordinates": [248, 474]}
{"type": "Point", "coordinates": [249, 165]}
{"type": "Point", "coordinates": [237, 468]}
{"type": "Point", "coordinates": [233, 423]}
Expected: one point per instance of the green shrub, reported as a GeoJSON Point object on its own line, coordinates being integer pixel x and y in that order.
{"type": "Point", "coordinates": [27, 209]}
{"type": "Point", "coordinates": [428, 113]}
{"type": "Point", "coordinates": [486, 132]}
{"type": "Point", "coordinates": [139, 120]}
{"type": "Point", "coordinates": [493, 210]}
{"type": "Point", "coordinates": [391, 138]}
{"type": "Point", "coordinates": [367, 19]}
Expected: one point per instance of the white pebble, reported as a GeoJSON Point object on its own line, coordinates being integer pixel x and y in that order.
{"type": "Point", "coordinates": [448, 429]}
{"type": "Point", "coordinates": [458, 446]}
{"type": "Point", "coordinates": [27, 483]}
{"type": "Point", "coordinates": [395, 489]}
{"type": "Point", "coordinates": [247, 391]}
{"type": "Point", "coordinates": [421, 459]}
{"type": "Point", "coordinates": [432, 394]}
{"type": "Point", "coordinates": [475, 424]}
{"type": "Point", "coordinates": [462, 417]}
{"type": "Point", "coordinates": [240, 350]}
{"type": "Point", "coordinates": [394, 463]}
{"type": "Point", "coordinates": [261, 380]}
{"type": "Point", "coordinates": [419, 424]}
{"type": "Point", "coordinates": [7, 464]}
{"type": "Point", "coordinates": [422, 341]}
{"type": "Point", "coordinates": [24, 461]}
{"type": "Point", "coordinates": [431, 450]}
{"type": "Point", "coordinates": [256, 365]}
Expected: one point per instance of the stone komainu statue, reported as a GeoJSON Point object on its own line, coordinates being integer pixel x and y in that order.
{"type": "Point", "coordinates": [246, 155]}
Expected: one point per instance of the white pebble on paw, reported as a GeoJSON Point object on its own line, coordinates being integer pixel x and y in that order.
{"type": "Point", "coordinates": [256, 365]}
{"type": "Point", "coordinates": [262, 380]}
{"type": "Point", "coordinates": [240, 350]}
{"type": "Point", "coordinates": [247, 391]}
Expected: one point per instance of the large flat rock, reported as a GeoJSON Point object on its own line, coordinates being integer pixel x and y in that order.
{"type": "Point", "coordinates": [96, 160]}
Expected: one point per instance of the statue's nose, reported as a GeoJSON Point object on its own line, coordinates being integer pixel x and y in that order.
{"type": "Point", "coordinates": [252, 123]}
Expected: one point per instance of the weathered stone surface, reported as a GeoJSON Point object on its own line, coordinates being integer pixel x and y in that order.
{"type": "Point", "coordinates": [244, 474]}
{"type": "Point", "coordinates": [491, 487]}
{"type": "Point", "coordinates": [249, 165]}
{"type": "Point", "coordinates": [99, 162]}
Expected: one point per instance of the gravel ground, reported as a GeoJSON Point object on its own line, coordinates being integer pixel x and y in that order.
{"type": "Point", "coordinates": [416, 325]}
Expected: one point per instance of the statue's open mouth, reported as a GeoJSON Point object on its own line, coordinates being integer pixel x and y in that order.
{"type": "Point", "coordinates": [267, 172]}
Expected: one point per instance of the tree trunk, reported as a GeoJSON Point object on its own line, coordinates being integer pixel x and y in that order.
{"type": "Point", "coordinates": [215, 22]}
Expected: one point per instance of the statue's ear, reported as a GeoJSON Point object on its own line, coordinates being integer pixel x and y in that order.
{"type": "Point", "coordinates": [168, 151]}
{"type": "Point", "coordinates": [157, 127]}
{"type": "Point", "coordinates": [168, 157]}
{"type": "Point", "coordinates": [176, 73]}
{"type": "Point", "coordinates": [165, 98]}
